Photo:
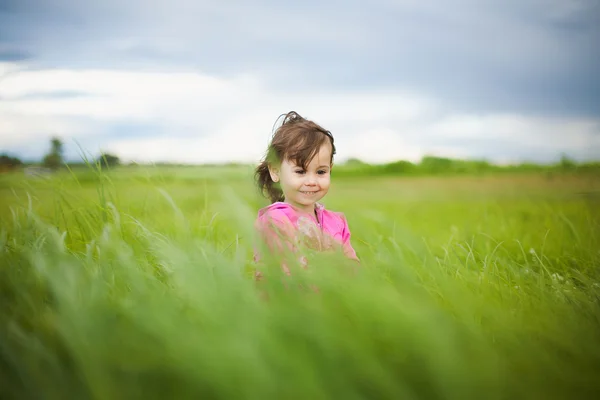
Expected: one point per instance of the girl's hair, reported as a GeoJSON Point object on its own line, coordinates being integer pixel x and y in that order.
{"type": "Point", "coordinates": [297, 140]}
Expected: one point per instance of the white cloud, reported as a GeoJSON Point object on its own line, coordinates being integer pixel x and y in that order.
{"type": "Point", "coordinates": [547, 132]}
{"type": "Point", "coordinates": [6, 68]}
{"type": "Point", "coordinates": [20, 128]}
{"type": "Point", "coordinates": [196, 117]}
{"type": "Point", "coordinates": [115, 95]}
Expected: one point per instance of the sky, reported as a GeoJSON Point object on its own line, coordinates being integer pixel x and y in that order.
{"type": "Point", "coordinates": [195, 81]}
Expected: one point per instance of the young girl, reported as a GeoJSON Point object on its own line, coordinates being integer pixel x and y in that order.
{"type": "Point", "coordinates": [295, 175]}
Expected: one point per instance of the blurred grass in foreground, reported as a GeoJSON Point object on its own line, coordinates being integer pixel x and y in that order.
{"type": "Point", "coordinates": [120, 286]}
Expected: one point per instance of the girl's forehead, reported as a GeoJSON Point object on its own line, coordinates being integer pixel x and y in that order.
{"type": "Point", "coordinates": [322, 155]}
{"type": "Point", "coordinates": [324, 151]}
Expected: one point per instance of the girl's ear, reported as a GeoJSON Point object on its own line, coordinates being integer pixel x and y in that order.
{"type": "Point", "coordinates": [274, 172]}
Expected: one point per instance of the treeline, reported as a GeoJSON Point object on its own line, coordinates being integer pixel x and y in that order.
{"type": "Point", "coordinates": [7, 162]}
{"type": "Point", "coordinates": [54, 159]}
{"type": "Point", "coordinates": [430, 165]}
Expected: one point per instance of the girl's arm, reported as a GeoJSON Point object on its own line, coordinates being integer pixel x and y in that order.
{"type": "Point", "coordinates": [279, 234]}
{"type": "Point", "coordinates": [277, 231]}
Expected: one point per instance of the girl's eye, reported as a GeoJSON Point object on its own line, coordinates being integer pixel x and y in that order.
{"type": "Point", "coordinates": [299, 171]}
{"type": "Point", "coordinates": [322, 172]}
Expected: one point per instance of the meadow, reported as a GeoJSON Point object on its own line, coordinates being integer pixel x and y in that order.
{"type": "Point", "coordinates": [138, 283]}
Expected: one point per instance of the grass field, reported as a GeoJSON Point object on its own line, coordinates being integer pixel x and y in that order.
{"type": "Point", "coordinates": [138, 284]}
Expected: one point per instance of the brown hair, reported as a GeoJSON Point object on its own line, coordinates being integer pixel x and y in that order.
{"type": "Point", "coordinates": [297, 140]}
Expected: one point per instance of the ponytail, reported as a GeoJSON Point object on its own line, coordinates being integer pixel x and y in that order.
{"type": "Point", "coordinates": [266, 185]}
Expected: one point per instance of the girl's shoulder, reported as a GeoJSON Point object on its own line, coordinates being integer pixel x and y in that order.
{"type": "Point", "coordinates": [330, 213]}
{"type": "Point", "coordinates": [278, 212]}
{"type": "Point", "coordinates": [334, 220]}
{"type": "Point", "coordinates": [335, 215]}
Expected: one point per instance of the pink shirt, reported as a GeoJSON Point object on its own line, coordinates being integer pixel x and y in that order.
{"type": "Point", "coordinates": [331, 227]}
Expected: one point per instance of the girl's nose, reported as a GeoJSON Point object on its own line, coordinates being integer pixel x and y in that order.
{"type": "Point", "coordinates": [311, 180]}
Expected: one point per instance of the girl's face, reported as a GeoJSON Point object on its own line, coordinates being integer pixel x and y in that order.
{"type": "Point", "coordinates": [303, 188]}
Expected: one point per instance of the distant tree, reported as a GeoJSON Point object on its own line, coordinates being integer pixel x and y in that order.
{"type": "Point", "coordinates": [567, 163]}
{"type": "Point", "coordinates": [107, 160]}
{"type": "Point", "coordinates": [8, 163]}
{"type": "Point", "coordinates": [54, 159]}
{"type": "Point", "coordinates": [481, 166]}
{"type": "Point", "coordinates": [399, 167]}
{"type": "Point", "coordinates": [355, 162]}
{"type": "Point", "coordinates": [433, 164]}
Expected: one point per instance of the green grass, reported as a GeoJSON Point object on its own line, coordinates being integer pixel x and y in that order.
{"type": "Point", "coordinates": [138, 284]}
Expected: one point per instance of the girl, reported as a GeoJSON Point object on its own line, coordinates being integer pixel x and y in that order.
{"type": "Point", "coordinates": [295, 175]}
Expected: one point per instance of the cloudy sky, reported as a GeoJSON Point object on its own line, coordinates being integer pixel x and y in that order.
{"type": "Point", "coordinates": [204, 81]}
